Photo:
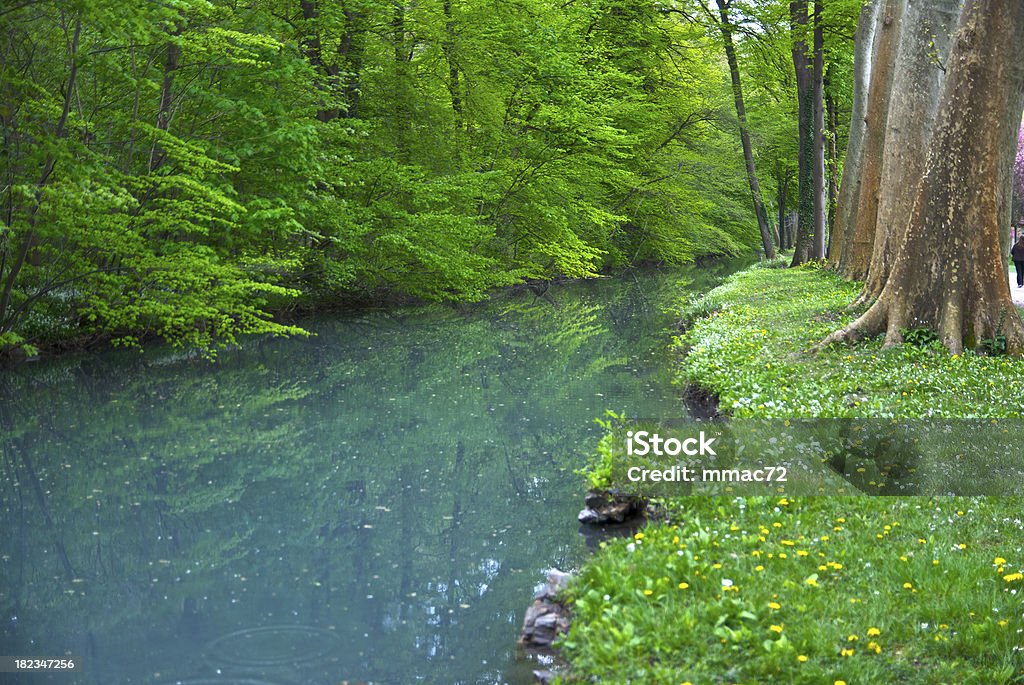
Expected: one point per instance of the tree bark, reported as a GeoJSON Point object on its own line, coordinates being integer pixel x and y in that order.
{"type": "Point", "coordinates": [849, 186]}
{"type": "Point", "coordinates": [917, 85]}
{"type": "Point", "coordinates": [948, 275]}
{"type": "Point", "coordinates": [725, 27]}
{"type": "Point", "coordinates": [831, 153]}
{"type": "Point", "coordinates": [448, 48]}
{"type": "Point", "coordinates": [351, 48]}
{"type": "Point", "coordinates": [818, 133]}
{"type": "Point", "coordinates": [859, 237]}
{"type": "Point", "coordinates": [804, 70]}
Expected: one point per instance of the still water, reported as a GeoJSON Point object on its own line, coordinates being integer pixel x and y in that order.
{"type": "Point", "coordinates": [372, 504]}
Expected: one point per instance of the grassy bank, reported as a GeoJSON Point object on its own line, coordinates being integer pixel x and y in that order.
{"type": "Point", "coordinates": [815, 590]}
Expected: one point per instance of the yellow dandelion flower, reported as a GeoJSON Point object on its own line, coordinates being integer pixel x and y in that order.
{"type": "Point", "coordinates": [774, 605]}
{"type": "Point", "coordinates": [846, 652]}
{"type": "Point", "coordinates": [802, 658]}
{"type": "Point", "coordinates": [812, 581]}
{"type": "Point", "coordinates": [908, 586]}
{"type": "Point", "coordinates": [683, 586]}
{"type": "Point", "coordinates": [872, 632]}
{"type": "Point", "coordinates": [824, 538]}
{"type": "Point", "coordinates": [801, 553]}
{"type": "Point", "coordinates": [1003, 623]}
{"type": "Point", "coordinates": [839, 682]}
{"type": "Point", "coordinates": [638, 536]}
{"type": "Point", "coordinates": [775, 628]}
{"type": "Point", "coordinates": [998, 561]}
{"type": "Point", "coordinates": [787, 543]}
{"type": "Point", "coordinates": [759, 568]}
{"type": "Point", "coordinates": [852, 638]}
{"type": "Point", "coordinates": [648, 593]}
{"type": "Point", "coordinates": [1012, 577]}
{"type": "Point", "coordinates": [875, 647]}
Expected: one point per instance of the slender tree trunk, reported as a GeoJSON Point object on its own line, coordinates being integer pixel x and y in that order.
{"type": "Point", "coordinates": [818, 101]}
{"type": "Point", "coordinates": [402, 89]}
{"type": "Point", "coordinates": [782, 187]}
{"type": "Point", "coordinates": [849, 186]}
{"type": "Point", "coordinates": [7, 322]}
{"type": "Point", "coordinates": [803, 69]}
{"type": "Point", "coordinates": [917, 85]}
{"type": "Point", "coordinates": [725, 26]}
{"type": "Point", "coordinates": [859, 240]}
{"type": "Point", "coordinates": [831, 152]}
{"type": "Point", "coordinates": [448, 48]}
{"type": "Point", "coordinates": [172, 56]}
{"type": "Point", "coordinates": [948, 274]}
{"type": "Point", "coordinates": [351, 48]}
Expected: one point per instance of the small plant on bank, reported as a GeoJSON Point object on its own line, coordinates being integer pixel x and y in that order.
{"type": "Point", "coordinates": [598, 471]}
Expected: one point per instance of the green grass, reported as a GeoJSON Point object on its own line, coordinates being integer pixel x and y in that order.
{"type": "Point", "coordinates": [762, 590]}
{"type": "Point", "coordinates": [818, 590]}
{"type": "Point", "coordinates": [752, 352]}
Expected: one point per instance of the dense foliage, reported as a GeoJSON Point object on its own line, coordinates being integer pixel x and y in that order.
{"type": "Point", "coordinates": [181, 169]}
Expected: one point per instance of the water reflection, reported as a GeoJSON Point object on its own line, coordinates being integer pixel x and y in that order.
{"type": "Point", "coordinates": [372, 504]}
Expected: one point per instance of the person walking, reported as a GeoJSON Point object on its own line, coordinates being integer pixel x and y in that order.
{"type": "Point", "coordinates": [1017, 255]}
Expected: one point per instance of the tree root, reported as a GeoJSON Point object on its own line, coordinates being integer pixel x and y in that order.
{"type": "Point", "coordinates": [871, 322]}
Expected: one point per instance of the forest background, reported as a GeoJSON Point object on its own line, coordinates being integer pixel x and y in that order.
{"type": "Point", "coordinates": [191, 170]}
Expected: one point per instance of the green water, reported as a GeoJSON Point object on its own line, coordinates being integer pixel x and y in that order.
{"type": "Point", "coordinates": [372, 504]}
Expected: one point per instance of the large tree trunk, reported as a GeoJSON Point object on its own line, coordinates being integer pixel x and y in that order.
{"type": "Point", "coordinates": [725, 26]}
{"type": "Point", "coordinates": [859, 236]}
{"type": "Point", "coordinates": [948, 275]}
{"type": "Point", "coordinates": [917, 85]}
{"type": "Point", "coordinates": [849, 186]}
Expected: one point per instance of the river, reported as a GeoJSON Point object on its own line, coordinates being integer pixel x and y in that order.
{"type": "Point", "coordinates": [372, 504]}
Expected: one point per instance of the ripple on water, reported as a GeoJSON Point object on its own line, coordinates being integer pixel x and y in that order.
{"type": "Point", "coordinates": [284, 645]}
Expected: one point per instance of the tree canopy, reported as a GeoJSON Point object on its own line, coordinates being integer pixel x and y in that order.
{"type": "Point", "coordinates": [184, 170]}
